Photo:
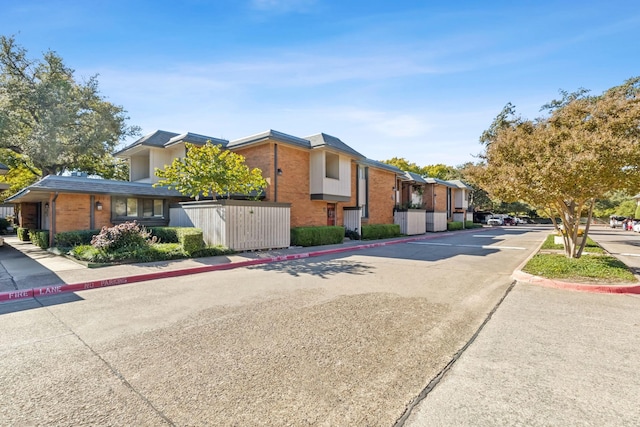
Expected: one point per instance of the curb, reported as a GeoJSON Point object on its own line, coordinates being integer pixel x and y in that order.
{"type": "Point", "coordinates": [521, 276]}
{"type": "Point", "coordinates": [82, 286]}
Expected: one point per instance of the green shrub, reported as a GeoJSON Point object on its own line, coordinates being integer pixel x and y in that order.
{"type": "Point", "coordinates": [380, 231]}
{"type": "Point", "coordinates": [69, 239]}
{"type": "Point", "coordinates": [212, 251]}
{"type": "Point", "coordinates": [23, 234]}
{"type": "Point", "coordinates": [128, 235]}
{"type": "Point", "coordinates": [153, 252]}
{"type": "Point", "coordinates": [39, 238]}
{"type": "Point", "coordinates": [4, 224]}
{"type": "Point", "coordinates": [166, 234]}
{"type": "Point", "coordinates": [190, 239]}
{"type": "Point", "coordinates": [454, 225]}
{"type": "Point", "coordinates": [317, 236]}
{"type": "Point", "coordinates": [471, 224]}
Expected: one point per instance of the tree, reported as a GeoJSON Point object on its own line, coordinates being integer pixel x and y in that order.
{"type": "Point", "coordinates": [585, 147]}
{"type": "Point", "coordinates": [53, 121]}
{"type": "Point", "coordinates": [210, 170]}
{"type": "Point", "coordinates": [19, 176]}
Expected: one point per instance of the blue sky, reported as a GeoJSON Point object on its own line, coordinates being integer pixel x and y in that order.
{"type": "Point", "coordinates": [413, 79]}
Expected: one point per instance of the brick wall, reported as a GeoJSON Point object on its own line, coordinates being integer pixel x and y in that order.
{"type": "Point", "coordinates": [28, 216]}
{"type": "Point", "coordinates": [381, 196]}
{"type": "Point", "coordinates": [293, 183]}
{"type": "Point", "coordinates": [73, 212]}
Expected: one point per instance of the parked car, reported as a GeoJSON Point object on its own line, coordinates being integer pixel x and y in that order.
{"type": "Point", "coordinates": [616, 221]}
{"type": "Point", "coordinates": [507, 220]}
{"type": "Point", "coordinates": [495, 220]}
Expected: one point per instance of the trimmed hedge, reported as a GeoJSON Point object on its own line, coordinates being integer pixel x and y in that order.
{"type": "Point", "coordinates": [166, 234]}
{"type": "Point", "coordinates": [39, 238]}
{"type": "Point", "coordinates": [317, 236]}
{"type": "Point", "coordinates": [454, 225]}
{"type": "Point", "coordinates": [190, 239]}
{"type": "Point", "coordinates": [23, 234]}
{"type": "Point", "coordinates": [70, 239]}
{"type": "Point", "coordinates": [380, 231]}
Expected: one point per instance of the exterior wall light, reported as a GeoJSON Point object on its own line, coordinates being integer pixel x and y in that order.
{"type": "Point", "coordinates": [98, 206]}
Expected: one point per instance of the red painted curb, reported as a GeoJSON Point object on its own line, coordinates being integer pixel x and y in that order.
{"type": "Point", "coordinates": [582, 287]}
{"type": "Point", "coordinates": [82, 286]}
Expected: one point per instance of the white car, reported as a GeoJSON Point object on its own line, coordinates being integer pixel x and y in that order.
{"type": "Point", "coordinates": [495, 220]}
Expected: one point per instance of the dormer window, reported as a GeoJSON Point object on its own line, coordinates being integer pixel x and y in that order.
{"type": "Point", "coordinates": [332, 166]}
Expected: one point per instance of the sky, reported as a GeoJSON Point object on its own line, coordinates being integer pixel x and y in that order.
{"type": "Point", "coordinates": [419, 80]}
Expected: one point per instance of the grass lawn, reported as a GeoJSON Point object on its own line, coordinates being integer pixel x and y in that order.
{"type": "Point", "coordinates": [596, 267]}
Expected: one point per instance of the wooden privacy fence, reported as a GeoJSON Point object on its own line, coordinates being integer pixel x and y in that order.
{"type": "Point", "coordinates": [353, 219]}
{"type": "Point", "coordinates": [236, 224]}
{"type": "Point", "coordinates": [436, 221]}
{"type": "Point", "coordinates": [411, 221]}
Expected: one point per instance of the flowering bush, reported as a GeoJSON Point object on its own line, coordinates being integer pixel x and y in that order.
{"type": "Point", "coordinates": [128, 235]}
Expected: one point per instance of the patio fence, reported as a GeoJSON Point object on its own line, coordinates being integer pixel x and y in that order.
{"type": "Point", "coordinates": [237, 224]}
{"type": "Point", "coordinates": [411, 221]}
{"type": "Point", "coordinates": [436, 221]}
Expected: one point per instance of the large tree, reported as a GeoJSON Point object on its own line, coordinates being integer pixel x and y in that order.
{"type": "Point", "coordinates": [211, 170]}
{"type": "Point", "coordinates": [54, 121]}
{"type": "Point", "coordinates": [561, 163]}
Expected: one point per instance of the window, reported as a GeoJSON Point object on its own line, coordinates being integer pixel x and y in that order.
{"type": "Point", "coordinates": [152, 208]}
{"type": "Point", "coordinates": [332, 165]}
{"type": "Point", "coordinates": [129, 207]}
{"type": "Point", "coordinates": [125, 206]}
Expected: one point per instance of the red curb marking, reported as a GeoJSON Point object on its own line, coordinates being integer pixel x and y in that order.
{"type": "Point", "coordinates": [603, 289]}
{"type": "Point", "coordinates": [95, 284]}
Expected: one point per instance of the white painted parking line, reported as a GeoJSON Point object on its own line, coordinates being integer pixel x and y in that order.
{"type": "Point", "coordinates": [490, 236]}
{"type": "Point", "coordinates": [493, 247]}
{"type": "Point", "coordinates": [517, 248]}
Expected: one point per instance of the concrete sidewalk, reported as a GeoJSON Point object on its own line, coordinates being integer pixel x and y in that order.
{"type": "Point", "coordinates": [547, 357]}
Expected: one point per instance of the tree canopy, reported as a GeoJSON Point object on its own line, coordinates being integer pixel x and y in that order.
{"type": "Point", "coordinates": [440, 171]}
{"type": "Point", "coordinates": [584, 148]}
{"type": "Point", "coordinates": [211, 170]}
{"type": "Point", "coordinates": [54, 122]}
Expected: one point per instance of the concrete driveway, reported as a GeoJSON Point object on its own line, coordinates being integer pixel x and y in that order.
{"type": "Point", "coordinates": [347, 339]}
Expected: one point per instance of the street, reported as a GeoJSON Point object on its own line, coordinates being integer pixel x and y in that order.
{"type": "Point", "coordinates": [347, 339]}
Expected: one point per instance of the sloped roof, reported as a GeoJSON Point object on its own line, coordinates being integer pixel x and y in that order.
{"type": "Point", "coordinates": [83, 185]}
{"type": "Point", "coordinates": [412, 176]}
{"type": "Point", "coordinates": [155, 139]}
{"type": "Point", "coordinates": [269, 134]}
{"type": "Point", "coordinates": [460, 184]}
{"type": "Point", "coordinates": [380, 165]}
{"type": "Point", "coordinates": [324, 140]}
{"type": "Point", "coordinates": [430, 180]}
{"type": "Point", "coordinates": [194, 138]}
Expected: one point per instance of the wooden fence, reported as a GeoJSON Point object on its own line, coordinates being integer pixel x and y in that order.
{"type": "Point", "coordinates": [411, 221]}
{"type": "Point", "coordinates": [353, 219]}
{"type": "Point", "coordinates": [237, 224]}
{"type": "Point", "coordinates": [436, 221]}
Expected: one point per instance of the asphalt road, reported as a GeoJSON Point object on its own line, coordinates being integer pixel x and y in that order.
{"type": "Point", "coordinates": [349, 339]}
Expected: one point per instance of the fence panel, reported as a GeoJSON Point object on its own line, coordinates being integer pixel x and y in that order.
{"type": "Point", "coordinates": [238, 225]}
{"type": "Point", "coordinates": [436, 221]}
{"type": "Point", "coordinates": [412, 221]}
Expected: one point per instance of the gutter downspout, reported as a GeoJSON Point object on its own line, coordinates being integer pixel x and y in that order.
{"type": "Point", "coordinates": [52, 227]}
{"type": "Point", "coordinates": [275, 172]}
